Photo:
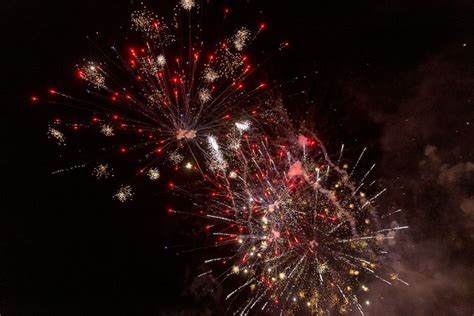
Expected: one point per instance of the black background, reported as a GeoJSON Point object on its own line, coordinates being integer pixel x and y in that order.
{"type": "Point", "coordinates": [395, 76]}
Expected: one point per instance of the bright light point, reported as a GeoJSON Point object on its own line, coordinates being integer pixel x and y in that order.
{"type": "Point", "coordinates": [153, 174]}
{"type": "Point", "coordinates": [243, 126]}
{"type": "Point", "coordinates": [107, 130]}
{"type": "Point", "coordinates": [271, 197]}
{"type": "Point", "coordinates": [187, 4]}
{"type": "Point", "coordinates": [124, 194]}
{"type": "Point", "coordinates": [161, 60]}
{"type": "Point", "coordinates": [213, 143]}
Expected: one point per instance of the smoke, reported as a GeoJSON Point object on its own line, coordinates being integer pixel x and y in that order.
{"type": "Point", "coordinates": [295, 170]}
{"type": "Point", "coordinates": [427, 161]}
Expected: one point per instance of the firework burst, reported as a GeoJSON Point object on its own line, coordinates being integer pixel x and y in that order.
{"type": "Point", "coordinates": [302, 233]}
{"type": "Point", "coordinates": [171, 91]}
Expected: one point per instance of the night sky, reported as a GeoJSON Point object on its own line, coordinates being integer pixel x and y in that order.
{"type": "Point", "coordinates": [394, 76]}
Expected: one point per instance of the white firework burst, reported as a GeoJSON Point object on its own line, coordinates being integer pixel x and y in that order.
{"type": "Point", "coordinates": [102, 171]}
{"type": "Point", "coordinates": [161, 60]}
{"type": "Point", "coordinates": [124, 193]}
{"type": "Point", "coordinates": [176, 158]}
{"type": "Point", "coordinates": [210, 75]}
{"type": "Point", "coordinates": [204, 95]}
{"type": "Point", "coordinates": [153, 174]}
{"type": "Point", "coordinates": [187, 4]}
{"type": "Point", "coordinates": [56, 135]}
{"type": "Point", "coordinates": [107, 130]}
{"type": "Point", "coordinates": [241, 38]}
{"type": "Point", "coordinates": [185, 134]}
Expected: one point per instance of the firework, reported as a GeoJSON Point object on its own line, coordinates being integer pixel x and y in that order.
{"type": "Point", "coordinates": [153, 174]}
{"type": "Point", "coordinates": [171, 91]}
{"type": "Point", "coordinates": [107, 130]}
{"type": "Point", "coordinates": [124, 193]}
{"type": "Point", "coordinates": [102, 171]}
{"type": "Point", "coordinates": [58, 136]}
{"type": "Point", "coordinates": [302, 233]}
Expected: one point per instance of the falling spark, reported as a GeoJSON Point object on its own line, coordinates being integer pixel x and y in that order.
{"type": "Point", "coordinates": [241, 38]}
{"type": "Point", "coordinates": [57, 136]}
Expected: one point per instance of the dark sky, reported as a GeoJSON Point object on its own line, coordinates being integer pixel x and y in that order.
{"type": "Point", "coordinates": [395, 76]}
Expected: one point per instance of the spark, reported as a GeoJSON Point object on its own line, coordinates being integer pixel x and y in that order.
{"type": "Point", "coordinates": [57, 136]}
{"type": "Point", "coordinates": [212, 141]}
{"type": "Point", "coordinates": [210, 75]}
{"type": "Point", "coordinates": [153, 174]}
{"type": "Point", "coordinates": [107, 130]}
{"type": "Point", "coordinates": [161, 60]}
{"type": "Point", "coordinates": [176, 158]}
{"type": "Point", "coordinates": [243, 126]}
{"type": "Point", "coordinates": [187, 4]}
{"type": "Point", "coordinates": [296, 230]}
{"type": "Point", "coordinates": [204, 95]}
{"type": "Point", "coordinates": [241, 38]}
{"type": "Point", "coordinates": [91, 73]}
{"type": "Point", "coordinates": [102, 171]}
{"type": "Point", "coordinates": [124, 193]}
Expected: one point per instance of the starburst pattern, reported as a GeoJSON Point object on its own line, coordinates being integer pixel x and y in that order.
{"type": "Point", "coordinates": [301, 231]}
{"type": "Point", "coordinates": [107, 130]}
{"type": "Point", "coordinates": [153, 174]}
{"type": "Point", "coordinates": [102, 171]}
{"type": "Point", "coordinates": [297, 231]}
{"type": "Point", "coordinates": [124, 193]}
{"type": "Point", "coordinates": [168, 98]}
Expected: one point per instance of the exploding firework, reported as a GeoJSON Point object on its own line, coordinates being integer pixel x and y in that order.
{"type": "Point", "coordinates": [302, 233]}
{"type": "Point", "coordinates": [171, 91]}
